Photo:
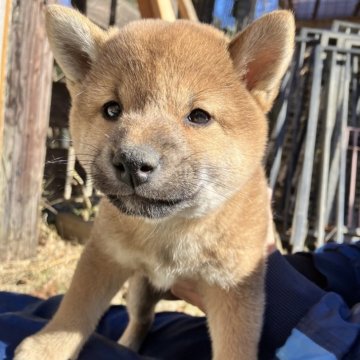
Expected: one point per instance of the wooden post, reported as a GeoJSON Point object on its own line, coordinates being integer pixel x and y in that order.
{"type": "Point", "coordinates": [356, 9]}
{"type": "Point", "coordinates": [187, 10]}
{"type": "Point", "coordinates": [27, 104]}
{"type": "Point", "coordinates": [316, 9]}
{"type": "Point", "coordinates": [161, 9]}
{"type": "Point", "coordinates": [5, 7]}
{"type": "Point", "coordinates": [113, 7]}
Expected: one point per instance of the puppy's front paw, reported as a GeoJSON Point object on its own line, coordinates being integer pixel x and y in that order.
{"type": "Point", "coordinates": [42, 347]}
{"type": "Point", "coordinates": [33, 348]}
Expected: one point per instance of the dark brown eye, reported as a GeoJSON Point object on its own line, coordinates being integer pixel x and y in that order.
{"type": "Point", "coordinates": [199, 117]}
{"type": "Point", "coordinates": [112, 110]}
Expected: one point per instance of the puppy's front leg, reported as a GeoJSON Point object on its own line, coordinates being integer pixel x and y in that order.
{"type": "Point", "coordinates": [235, 318]}
{"type": "Point", "coordinates": [96, 280]}
{"type": "Point", "coordinates": [141, 300]}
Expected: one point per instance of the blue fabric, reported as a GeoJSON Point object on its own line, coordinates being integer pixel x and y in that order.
{"type": "Point", "coordinates": [327, 328]}
{"type": "Point", "coordinates": [329, 325]}
{"type": "Point", "coordinates": [300, 347]}
{"type": "Point", "coordinates": [173, 335]}
{"type": "Point", "coordinates": [340, 264]}
{"type": "Point", "coordinates": [289, 297]}
{"type": "Point", "coordinates": [292, 301]}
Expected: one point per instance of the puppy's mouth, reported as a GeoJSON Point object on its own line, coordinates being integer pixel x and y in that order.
{"type": "Point", "coordinates": [137, 205]}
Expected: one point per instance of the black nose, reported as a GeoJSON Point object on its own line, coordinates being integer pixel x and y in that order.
{"type": "Point", "coordinates": [136, 165]}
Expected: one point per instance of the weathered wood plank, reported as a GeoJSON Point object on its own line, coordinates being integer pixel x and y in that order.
{"type": "Point", "coordinates": [5, 8]}
{"type": "Point", "coordinates": [161, 9]}
{"type": "Point", "coordinates": [27, 104]}
{"type": "Point", "coordinates": [187, 10]}
{"type": "Point", "coordinates": [99, 12]}
{"type": "Point", "coordinates": [146, 9]}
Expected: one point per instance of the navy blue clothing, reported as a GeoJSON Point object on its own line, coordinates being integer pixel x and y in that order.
{"type": "Point", "coordinates": [302, 321]}
{"type": "Point", "coordinates": [340, 264]}
{"type": "Point", "coordinates": [329, 330]}
{"type": "Point", "coordinates": [173, 335]}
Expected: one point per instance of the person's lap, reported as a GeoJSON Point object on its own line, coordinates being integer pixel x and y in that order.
{"type": "Point", "coordinates": [173, 335]}
{"type": "Point", "coordinates": [178, 336]}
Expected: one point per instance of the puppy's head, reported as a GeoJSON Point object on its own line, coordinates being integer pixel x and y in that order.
{"type": "Point", "coordinates": [169, 118]}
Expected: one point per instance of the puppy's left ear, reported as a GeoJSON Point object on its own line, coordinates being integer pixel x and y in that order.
{"type": "Point", "coordinates": [262, 53]}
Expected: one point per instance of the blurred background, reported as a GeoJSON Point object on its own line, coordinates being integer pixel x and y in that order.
{"type": "Point", "coordinates": [48, 203]}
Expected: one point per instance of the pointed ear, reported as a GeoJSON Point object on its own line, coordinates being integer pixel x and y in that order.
{"type": "Point", "coordinates": [261, 54]}
{"type": "Point", "coordinates": [74, 40]}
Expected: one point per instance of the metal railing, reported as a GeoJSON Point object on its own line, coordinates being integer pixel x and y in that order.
{"type": "Point", "coordinates": [312, 167]}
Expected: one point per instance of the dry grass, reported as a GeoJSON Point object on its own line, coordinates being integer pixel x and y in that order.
{"type": "Point", "coordinates": [50, 273]}
{"type": "Point", "coordinates": [47, 274]}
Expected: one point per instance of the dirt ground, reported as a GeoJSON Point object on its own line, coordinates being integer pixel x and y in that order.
{"type": "Point", "coordinates": [50, 272]}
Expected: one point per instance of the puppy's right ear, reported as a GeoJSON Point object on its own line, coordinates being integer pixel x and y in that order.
{"type": "Point", "coordinates": [74, 40]}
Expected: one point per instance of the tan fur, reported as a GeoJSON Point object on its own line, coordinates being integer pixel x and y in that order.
{"type": "Point", "coordinates": [160, 72]}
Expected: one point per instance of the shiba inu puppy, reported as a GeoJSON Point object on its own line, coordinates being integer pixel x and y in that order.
{"type": "Point", "coordinates": [169, 120]}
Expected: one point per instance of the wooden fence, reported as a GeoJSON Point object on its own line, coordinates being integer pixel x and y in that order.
{"type": "Point", "coordinates": [26, 65]}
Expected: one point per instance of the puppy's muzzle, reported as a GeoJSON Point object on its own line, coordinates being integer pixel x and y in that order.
{"type": "Point", "coordinates": [135, 165]}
